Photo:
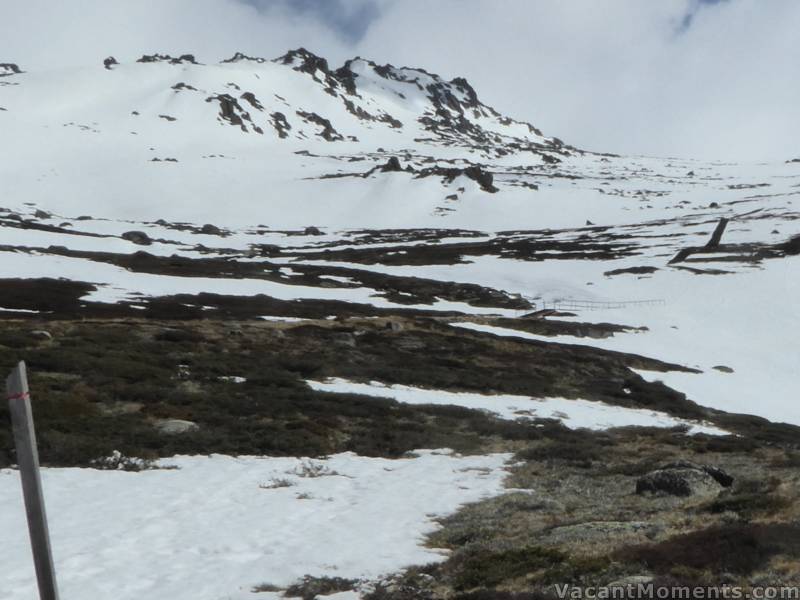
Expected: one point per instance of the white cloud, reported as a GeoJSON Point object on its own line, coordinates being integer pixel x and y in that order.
{"type": "Point", "coordinates": [618, 75]}
{"type": "Point", "coordinates": [40, 34]}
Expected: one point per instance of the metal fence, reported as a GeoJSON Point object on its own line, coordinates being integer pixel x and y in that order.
{"type": "Point", "coordinates": [573, 304]}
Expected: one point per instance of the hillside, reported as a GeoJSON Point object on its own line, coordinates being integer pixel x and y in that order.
{"type": "Point", "coordinates": [337, 273]}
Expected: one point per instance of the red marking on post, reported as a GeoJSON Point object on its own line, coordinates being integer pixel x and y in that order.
{"type": "Point", "coordinates": [20, 396]}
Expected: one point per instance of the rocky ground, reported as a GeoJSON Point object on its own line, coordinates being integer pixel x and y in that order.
{"type": "Point", "coordinates": [583, 507]}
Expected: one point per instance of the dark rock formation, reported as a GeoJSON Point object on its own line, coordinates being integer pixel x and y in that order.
{"type": "Point", "coordinates": [328, 132]}
{"type": "Point", "coordinates": [685, 479]}
{"type": "Point", "coordinates": [137, 237]}
{"type": "Point", "coordinates": [250, 97]}
{"type": "Point", "coordinates": [183, 86]}
{"type": "Point", "coordinates": [632, 270]}
{"type": "Point", "coordinates": [230, 110]}
{"type": "Point", "coordinates": [392, 165]}
{"type": "Point", "coordinates": [173, 60]}
{"type": "Point", "coordinates": [483, 178]}
{"type": "Point", "coordinates": [210, 229]}
{"type": "Point", "coordinates": [265, 250]}
{"type": "Point", "coordinates": [280, 124]}
{"type": "Point", "coordinates": [549, 159]}
{"type": "Point", "coordinates": [9, 69]}
{"type": "Point", "coordinates": [304, 61]}
{"type": "Point", "coordinates": [792, 247]}
{"type": "Point", "coordinates": [239, 57]}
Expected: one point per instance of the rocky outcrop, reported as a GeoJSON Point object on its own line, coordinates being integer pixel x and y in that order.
{"type": "Point", "coordinates": [483, 178]}
{"type": "Point", "coordinates": [328, 132]}
{"type": "Point", "coordinates": [209, 229]}
{"type": "Point", "coordinates": [9, 69]}
{"type": "Point", "coordinates": [183, 86]}
{"type": "Point", "coordinates": [239, 56]}
{"type": "Point", "coordinates": [391, 165]}
{"type": "Point", "coordinates": [280, 124]}
{"type": "Point", "coordinates": [173, 60]}
{"type": "Point", "coordinates": [684, 479]}
{"type": "Point", "coordinates": [139, 238]}
{"type": "Point", "coordinates": [251, 99]}
{"type": "Point", "coordinates": [792, 247]}
{"type": "Point", "coordinates": [231, 111]}
{"type": "Point", "coordinates": [307, 62]}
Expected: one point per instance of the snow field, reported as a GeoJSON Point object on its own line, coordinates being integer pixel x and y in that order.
{"type": "Point", "coordinates": [217, 526]}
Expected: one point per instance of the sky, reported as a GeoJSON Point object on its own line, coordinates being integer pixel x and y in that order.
{"type": "Point", "coordinates": [712, 79]}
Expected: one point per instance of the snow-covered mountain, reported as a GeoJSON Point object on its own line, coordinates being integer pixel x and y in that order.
{"type": "Point", "coordinates": [401, 232]}
{"type": "Point", "coordinates": [79, 133]}
{"type": "Point", "coordinates": [288, 178]}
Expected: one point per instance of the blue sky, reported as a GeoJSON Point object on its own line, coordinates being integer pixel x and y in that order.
{"type": "Point", "coordinates": [350, 20]}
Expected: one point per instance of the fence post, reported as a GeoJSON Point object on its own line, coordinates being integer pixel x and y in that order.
{"type": "Point", "coordinates": [19, 404]}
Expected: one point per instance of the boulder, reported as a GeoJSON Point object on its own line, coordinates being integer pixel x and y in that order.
{"type": "Point", "coordinates": [210, 229]}
{"type": "Point", "coordinates": [137, 237]}
{"type": "Point", "coordinates": [684, 479]}
{"type": "Point", "coordinates": [176, 426]}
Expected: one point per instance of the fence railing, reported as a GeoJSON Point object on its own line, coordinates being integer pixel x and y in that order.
{"type": "Point", "coordinates": [573, 304]}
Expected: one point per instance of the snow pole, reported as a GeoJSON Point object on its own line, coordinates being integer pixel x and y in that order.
{"type": "Point", "coordinates": [19, 404]}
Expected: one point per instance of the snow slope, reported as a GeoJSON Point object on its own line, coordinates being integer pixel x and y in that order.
{"type": "Point", "coordinates": [218, 526]}
{"type": "Point", "coordinates": [575, 414]}
{"type": "Point", "coordinates": [84, 160]}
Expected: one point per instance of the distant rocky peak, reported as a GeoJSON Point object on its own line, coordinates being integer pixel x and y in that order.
{"type": "Point", "coordinates": [240, 57]}
{"type": "Point", "coordinates": [303, 60]}
{"type": "Point", "coordinates": [173, 60]}
{"type": "Point", "coordinates": [361, 66]}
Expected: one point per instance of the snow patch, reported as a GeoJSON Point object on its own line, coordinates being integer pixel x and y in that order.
{"type": "Point", "coordinates": [575, 414]}
{"type": "Point", "coordinates": [213, 529]}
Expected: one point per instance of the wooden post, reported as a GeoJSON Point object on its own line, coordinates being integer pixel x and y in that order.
{"type": "Point", "coordinates": [19, 403]}
{"type": "Point", "coordinates": [717, 235]}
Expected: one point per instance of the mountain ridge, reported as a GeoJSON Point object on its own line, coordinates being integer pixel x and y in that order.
{"type": "Point", "coordinates": [433, 109]}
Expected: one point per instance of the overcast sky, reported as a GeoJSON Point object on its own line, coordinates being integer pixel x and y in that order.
{"type": "Point", "coordinates": [694, 78]}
